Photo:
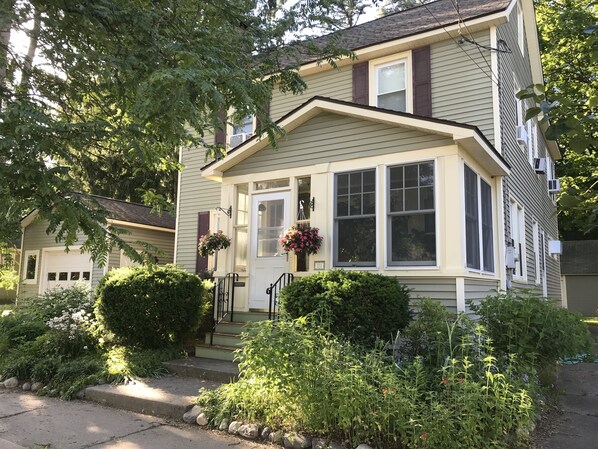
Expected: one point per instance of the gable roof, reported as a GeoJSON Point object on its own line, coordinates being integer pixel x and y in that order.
{"type": "Point", "coordinates": [468, 136]}
{"type": "Point", "coordinates": [428, 17]}
{"type": "Point", "coordinates": [123, 211]}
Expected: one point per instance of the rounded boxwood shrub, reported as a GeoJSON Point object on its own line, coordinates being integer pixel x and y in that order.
{"type": "Point", "coordinates": [359, 306]}
{"type": "Point", "coordinates": [150, 306]}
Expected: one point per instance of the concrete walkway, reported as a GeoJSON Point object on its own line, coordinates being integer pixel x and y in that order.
{"type": "Point", "coordinates": [32, 422]}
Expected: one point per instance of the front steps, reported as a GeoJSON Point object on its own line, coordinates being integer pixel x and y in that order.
{"type": "Point", "coordinates": [226, 339]}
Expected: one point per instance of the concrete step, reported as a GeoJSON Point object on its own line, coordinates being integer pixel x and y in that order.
{"type": "Point", "coordinates": [243, 317]}
{"type": "Point", "coordinates": [223, 339]}
{"type": "Point", "coordinates": [169, 396]}
{"type": "Point", "coordinates": [230, 328]}
{"type": "Point", "coordinates": [200, 368]}
{"type": "Point", "coordinates": [215, 352]}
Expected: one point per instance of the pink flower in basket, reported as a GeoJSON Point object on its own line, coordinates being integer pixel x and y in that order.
{"type": "Point", "coordinates": [211, 242]}
{"type": "Point", "coordinates": [301, 239]}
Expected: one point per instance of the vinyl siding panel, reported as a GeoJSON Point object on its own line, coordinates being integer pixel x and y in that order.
{"type": "Point", "coordinates": [330, 138]}
{"type": "Point", "coordinates": [476, 290]}
{"type": "Point", "coordinates": [334, 83]}
{"type": "Point", "coordinates": [196, 194]}
{"type": "Point", "coordinates": [461, 83]}
{"type": "Point", "coordinates": [523, 184]}
{"type": "Point", "coordinates": [440, 289]}
{"type": "Point", "coordinates": [163, 241]}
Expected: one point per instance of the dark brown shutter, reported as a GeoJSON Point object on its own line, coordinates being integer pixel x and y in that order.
{"type": "Point", "coordinates": [422, 86]}
{"type": "Point", "coordinates": [203, 226]}
{"type": "Point", "coordinates": [361, 87]}
{"type": "Point", "coordinates": [220, 136]}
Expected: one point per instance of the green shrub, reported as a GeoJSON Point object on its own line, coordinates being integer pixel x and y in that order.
{"type": "Point", "coordinates": [538, 330]}
{"type": "Point", "coordinates": [294, 375]}
{"type": "Point", "coordinates": [359, 306]}
{"type": "Point", "coordinates": [149, 306]}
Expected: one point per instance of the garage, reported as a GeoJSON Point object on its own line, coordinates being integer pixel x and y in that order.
{"type": "Point", "coordinates": [64, 270]}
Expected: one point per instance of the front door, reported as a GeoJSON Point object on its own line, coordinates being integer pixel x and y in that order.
{"type": "Point", "coordinates": [270, 217]}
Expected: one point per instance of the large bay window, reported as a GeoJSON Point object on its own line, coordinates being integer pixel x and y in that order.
{"type": "Point", "coordinates": [391, 85]}
{"type": "Point", "coordinates": [411, 215]}
{"type": "Point", "coordinates": [478, 222]}
{"type": "Point", "coordinates": [355, 218]}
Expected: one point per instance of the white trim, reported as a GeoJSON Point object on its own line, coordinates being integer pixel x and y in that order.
{"type": "Point", "coordinates": [376, 64]}
{"type": "Point", "coordinates": [29, 218]}
{"type": "Point", "coordinates": [467, 137]}
{"type": "Point", "coordinates": [140, 226]}
{"type": "Point", "coordinates": [178, 209]}
{"type": "Point", "coordinates": [460, 293]}
{"type": "Point", "coordinates": [495, 90]}
{"type": "Point", "coordinates": [501, 233]}
{"type": "Point", "coordinates": [21, 260]}
{"type": "Point", "coordinates": [522, 227]}
{"type": "Point", "coordinates": [564, 302]}
{"type": "Point", "coordinates": [26, 254]}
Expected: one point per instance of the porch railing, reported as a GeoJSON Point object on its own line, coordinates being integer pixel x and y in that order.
{"type": "Point", "coordinates": [273, 291]}
{"type": "Point", "coordinates": [223, 300]}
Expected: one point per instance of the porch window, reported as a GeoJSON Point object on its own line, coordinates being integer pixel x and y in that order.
{"type": "Point", "coordinates": [355, 218]}
{"type": "Point", "coordinates": [478, 222]}
{"type": "Point", "coordinates": [241, 239]}
{"type": "Point", "coordinates": [411, 215]}
{"type": "Point", "coordinates": [30, 272]}
{"type": "Point", "coordinates": [303, 214]}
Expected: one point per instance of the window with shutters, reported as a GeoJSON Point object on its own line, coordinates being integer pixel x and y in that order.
{"type": "Point", "coordinates": [390, 81]}
{"type": "Point", "coordinates": [241, 130]}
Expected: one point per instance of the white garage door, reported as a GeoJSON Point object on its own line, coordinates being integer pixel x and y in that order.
{"type": "Point", "coordinates": [66, 269]}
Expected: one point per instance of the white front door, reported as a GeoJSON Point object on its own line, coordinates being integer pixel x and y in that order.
{"type": "Point", "coordinates": [64, 270]}
{"type": "Point", "coordinates": [270, 217]}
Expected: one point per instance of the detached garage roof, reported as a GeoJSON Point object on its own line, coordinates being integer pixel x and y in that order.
{"type": "Point", "coordinates": [121, 211]}
{"type": "Point", "coordinates": [580, 257]}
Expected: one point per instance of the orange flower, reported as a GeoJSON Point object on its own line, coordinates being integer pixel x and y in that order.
{"type": "Point", "coordinates": [384, 392]}
{"type": "Point", "coordinates": [423, 436]}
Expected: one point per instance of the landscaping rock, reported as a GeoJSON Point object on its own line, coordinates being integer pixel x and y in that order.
{"type": "Point", "coordinates": [296, 441]}
{"type": "Point", "coordinates": [249, 431]}
{"type": "Point", "coordinates": [319, 443]}
{"type": "Point", "coordinates": [191, 416]}
{"type": "Point", "coordinates": [223, 425]}
{"type": "Point", "coordinates": [13, 382]}
{"type": "Point", "coordinates": [335, 445]}
{"type": "Point", "coordinates": [276, 437]}
{"type": "Point", "coordinates": [202, 419]}
{"type": "Point", "coordinates": [363, 446]}
{"type": "Point", "coordinates": [36, 386]}
{"type": "Point", "coordinates": [26, 386]}
{"type": "Point", "coordinates": [80, 394]}
{"type": "Point", "coordinates": [265, 433]}
{"type": "Point", "coordinates": [234, 427]}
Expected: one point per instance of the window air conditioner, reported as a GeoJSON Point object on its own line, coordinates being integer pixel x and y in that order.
{"type": "Point", "coordinates": [522, 135]}
{"type": "Point", "coordinates": [238, 139]}
{"type": "Point", "coordinates": [540, 165]}
{"type": "Point", "coordinates": [554, 185]}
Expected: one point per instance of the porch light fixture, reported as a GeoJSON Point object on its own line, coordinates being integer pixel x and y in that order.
{"type": "Point", "coordinates": [312, 204]}
{"type": "Point", "coordinates": [228, 212]}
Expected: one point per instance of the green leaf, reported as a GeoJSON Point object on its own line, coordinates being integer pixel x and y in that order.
{"type": "Point", "coordinates": [532, 112]}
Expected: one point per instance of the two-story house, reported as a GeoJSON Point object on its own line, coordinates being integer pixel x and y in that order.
{"type": "Point", "coordinates": [414, 160]}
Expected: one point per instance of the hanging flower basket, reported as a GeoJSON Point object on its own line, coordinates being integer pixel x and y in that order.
{"type": "Point", "coordinates": [212, 242]}
{"type": "Point", "coordinates": [301, 239]}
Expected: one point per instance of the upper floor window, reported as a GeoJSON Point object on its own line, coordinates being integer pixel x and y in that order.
{"type": "Point", "coordinates": [355, 218]}
{"type": "Point", "coordinates": [391, 86]}
{"type": "Point", "coordinates": [411, 215]}
{"type": "Point", "coordinates": [241, 130]}
{"type": "Point", "coordinates": [478, 222]}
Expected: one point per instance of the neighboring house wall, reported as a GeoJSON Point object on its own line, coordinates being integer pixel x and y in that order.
{"type": "Point", "coordinates": [582, 293]}
{"type": "Point", "coordinates": [523, 184]}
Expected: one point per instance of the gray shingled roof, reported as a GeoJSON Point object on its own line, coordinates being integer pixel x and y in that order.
{"type": "Point", "coordinates": [407, 23]}
{"type": "Point", "coordinates": [580, 257]}
{"type": "Point", "coordinates": [134, 213]}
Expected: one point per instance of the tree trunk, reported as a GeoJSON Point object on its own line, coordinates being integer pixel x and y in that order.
{"type": "Point", "coordinates": [6, 19]}
{"type": "Point", "coordinates": [33, 40]}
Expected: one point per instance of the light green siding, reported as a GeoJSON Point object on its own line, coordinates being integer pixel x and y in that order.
{"type": "Point", "coordinates": [476, 290]}
{"type": "Point", "coordinates": [196, 194]}
{"type": "Point", "coordinates": [163, 241]}
{"type": "Point", "coordinates": [461, 86]}
{"type": "Point", "coordinates": [331, 137]}
{"type": "Point", "coordinates": [335, 84]}
{"type": "Point", "coordinates": [523, 184]}
{"type": "Point", "coordinates": [440, 289]}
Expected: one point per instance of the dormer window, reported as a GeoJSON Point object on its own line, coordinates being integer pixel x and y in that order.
{"type": "Point", "coordinates": [390, 81]}
{"type": "Point", "coordinates": [241, 131]}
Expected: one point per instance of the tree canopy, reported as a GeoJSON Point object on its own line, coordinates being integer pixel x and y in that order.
{"type": "Point", "coordinates": [117, 87]}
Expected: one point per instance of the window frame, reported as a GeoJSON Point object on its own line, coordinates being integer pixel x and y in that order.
{"type": "Point", "coordinates": [335, 219]}
{"type": "Point", "coordinates": [481, 246]}
{"type": "Point", "coordinates": [388, 214]}
{"type": "Point", "coordinates": [26, 255]}
{"type": "Point", "coordinates": [230, 126]}
{"type": "Point", "coordinates": [513, 203]}
{"type": "Point", "coordinates": [241, 189]}
{"type": "Point", "coordinates": [376, 64]}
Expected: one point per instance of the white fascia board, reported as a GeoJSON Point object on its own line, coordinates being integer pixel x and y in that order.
{"type": "Point", "coordinates": [552, 146]}
{"type": "Point", "coordinates": [29, 219]}
{"type": "Point", "coordinates": [484, 154]}
{"type": "Point", "coordinates": [139, 225]}
{"type": "Point", "coordinates": [409, 42]}
{"type": "Point", "coordinates": [533, 43]}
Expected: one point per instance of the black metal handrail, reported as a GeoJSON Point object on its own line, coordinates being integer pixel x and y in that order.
{"type": "Point", "coordinates": [273, 291]}
{"type": "Point", "coordinates": [223, 300]}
